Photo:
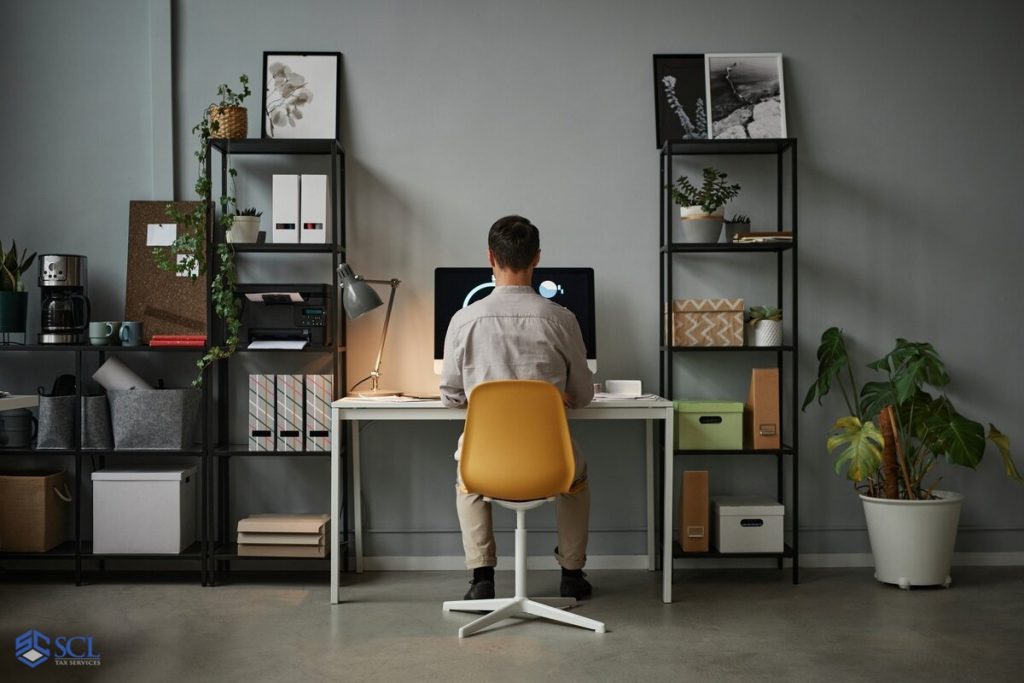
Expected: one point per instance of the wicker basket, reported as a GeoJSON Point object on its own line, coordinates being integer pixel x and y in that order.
{"type": "Point", "coordinates": [233, 122]}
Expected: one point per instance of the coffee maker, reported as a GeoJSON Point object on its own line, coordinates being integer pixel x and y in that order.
{"type": "Point", "coordinates": [64, 309]}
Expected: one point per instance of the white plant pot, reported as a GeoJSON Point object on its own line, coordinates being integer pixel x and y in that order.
{"type": "Point", "coordinates": [244, 229]}
{"type": "Point", "coordinates": [912, 540]}
{"type": "Point", "coordinates": [698, 226]}
{"type": "Point", "coordinates": [766, 333]}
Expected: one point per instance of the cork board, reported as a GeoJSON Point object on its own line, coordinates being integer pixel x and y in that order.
{"type": "Point", "coordinates": [163, 301]}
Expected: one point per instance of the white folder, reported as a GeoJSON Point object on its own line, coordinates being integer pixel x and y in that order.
{"type": "Point", "coordinates": [289, 413]}
{"type": "Point", "coordinates": [261, 412]}
{"type": "Point", "coordinates": [319, 394]}
{"type": "Point", "coordinates": [313, 209]}
{"type": "Point", "coordinates": [285, 195]}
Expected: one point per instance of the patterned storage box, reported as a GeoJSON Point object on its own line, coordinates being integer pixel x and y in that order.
{"type": "Point", "coordinates": [707, 322]}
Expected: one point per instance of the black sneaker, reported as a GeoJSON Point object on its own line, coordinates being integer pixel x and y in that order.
{"type": "Point", "coordinates": [483, 589]}
{"type": "Point", "coordinates": [575, 586]}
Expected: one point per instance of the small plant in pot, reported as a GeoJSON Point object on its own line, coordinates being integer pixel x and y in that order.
{"type": "Point", "coordinates": [245, 226]}
{"type": "Point", "coordinates": [735, 225]}
{"type": "Point", "coordinates": [911, 523]}
{"type": "Point", "coordinates": [764, 326]}
{"type": "Point", "coordinates": [701, 207]}
{"type": "Point", "coordinates": [13, 297]}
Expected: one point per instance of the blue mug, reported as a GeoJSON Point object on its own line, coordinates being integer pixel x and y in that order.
{"type": "Point", "coordinates": [131, 333]}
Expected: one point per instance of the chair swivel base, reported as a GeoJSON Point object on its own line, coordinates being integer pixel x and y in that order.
{"type": "Point", "coordinates": [506, 608]}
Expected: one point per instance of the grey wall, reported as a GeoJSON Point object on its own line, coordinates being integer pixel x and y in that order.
{"type": "Point", "coordinates": [457, 112]}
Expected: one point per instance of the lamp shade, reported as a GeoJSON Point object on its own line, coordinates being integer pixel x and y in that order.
{"type": "Point", "coordinates": [357, 296]}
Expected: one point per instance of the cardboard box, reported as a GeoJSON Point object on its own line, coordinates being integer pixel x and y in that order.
{"type": "Point", "coordinates": [285, 197]}
{"type": "Point", "coordinates": [694, 511]}
{"type": "Point", "coordinates": [33, 515]}
{"type": "Point", "coordinates": [319, 394]}
{"type": "Point", "coordinates": [289, 397]}
{"type": "Point", "coordinates": [313, 209]}
{"type": "Point", "coordinates": [748, 524]}
{"type": "Point", "coordinates": [320, 551]}
{"type": "Point", "coordinates": [709, 425]}
{"type": "Point", "coordinates": [284, 535]}
{"type": "Point", "coordinates": [150, 511]}
{"type": "Point", "coordinates": [262, 412]}
{"type": "Point", "coordinates": [761, 416]}
{"type": "Point", "coordinates": [284, 523]}
{"type": "Point", "coordinates": [707, 322]}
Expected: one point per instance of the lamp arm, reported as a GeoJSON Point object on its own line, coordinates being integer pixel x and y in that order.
{"type": "Point", "coordinates": [375, 374]}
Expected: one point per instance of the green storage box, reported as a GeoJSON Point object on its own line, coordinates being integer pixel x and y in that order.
{"type": "Point", "coordinates": [709, 425]}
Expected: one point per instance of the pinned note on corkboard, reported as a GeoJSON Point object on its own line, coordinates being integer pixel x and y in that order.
{"type": "Point", "coordinates": [165, 302]}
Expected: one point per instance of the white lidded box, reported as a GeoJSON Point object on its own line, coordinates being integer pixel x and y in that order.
{"type": "Point", "coordinates": [151, 511]}
{"type": "Point", "coordinates": [747, 524]}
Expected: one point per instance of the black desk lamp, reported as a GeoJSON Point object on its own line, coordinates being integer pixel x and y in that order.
{"type": "Point", "coordinates": [359, 298]}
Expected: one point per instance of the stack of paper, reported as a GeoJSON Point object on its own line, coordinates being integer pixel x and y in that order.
{"type": "Point", "coordinates": [284, 535]}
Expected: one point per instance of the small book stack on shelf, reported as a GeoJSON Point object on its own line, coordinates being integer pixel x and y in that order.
{"type": "Point", "coordinates": [759, 237]}
{"type": "Point", "coordinates": [191, 340]}
{"type": "Point", "coordinates": [283, 535]}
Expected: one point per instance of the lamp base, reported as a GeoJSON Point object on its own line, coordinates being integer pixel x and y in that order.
{"type": "Point", "coordinates": [373, 393]}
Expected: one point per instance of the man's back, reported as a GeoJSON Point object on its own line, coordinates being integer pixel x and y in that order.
{"type": "Point", "coordinates": [515, 334]}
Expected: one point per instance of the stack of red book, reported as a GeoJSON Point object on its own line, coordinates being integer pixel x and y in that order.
{"type": "Point", "coordinates": [197, 340]}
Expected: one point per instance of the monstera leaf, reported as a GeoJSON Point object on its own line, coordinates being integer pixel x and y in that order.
{"type": "Point", "coordinates": [861, 444]}
{"type": "Point", "coordinates": [910, 365]}
{"type": "Point", "coordinates": [832, 358]}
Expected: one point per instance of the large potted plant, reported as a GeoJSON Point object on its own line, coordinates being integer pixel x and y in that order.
{"type": "Point", "coordinates": [13, 297]}
{"type": "Point", "coordinates": [701, 207]}
{"type": "Point", "coordinates": [911, 522]}
{"type": "Point", "coordinates": [192, 234]}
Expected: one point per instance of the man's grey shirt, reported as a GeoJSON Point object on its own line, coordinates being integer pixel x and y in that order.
{"type": "Point", "coordinates": [515, 334]}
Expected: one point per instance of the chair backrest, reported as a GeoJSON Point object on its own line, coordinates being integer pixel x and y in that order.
{"type": "Point", "coordinates": [516, 444]}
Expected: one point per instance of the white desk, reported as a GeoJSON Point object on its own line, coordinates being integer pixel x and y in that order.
{"type": "Point", "coordinates": [13, 402]}
{"type": "Point", "coordinates": [355, 410]}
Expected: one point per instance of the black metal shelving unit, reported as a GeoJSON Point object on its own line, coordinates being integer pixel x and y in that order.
{"type": "Point", "coordinates": [78, 550]}
{"type": "Point", "coordinates": [785, 356]}
{"type": "Point", "coordinates": [222, 551]}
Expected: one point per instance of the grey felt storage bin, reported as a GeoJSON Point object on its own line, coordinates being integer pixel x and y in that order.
{"type": "Point", "coordinates": [96, 431]}
{"type": "Point", "coordinates": [154, 419]}
{"type": "Point", "coordinates": [56, 422]}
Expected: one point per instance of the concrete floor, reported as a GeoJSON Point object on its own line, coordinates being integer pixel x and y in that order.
{"type": "Point", "coordinates": [735, 625]}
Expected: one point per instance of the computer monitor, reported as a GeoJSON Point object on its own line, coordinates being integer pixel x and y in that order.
{"type": "Point", "coordinates": [456, 288]}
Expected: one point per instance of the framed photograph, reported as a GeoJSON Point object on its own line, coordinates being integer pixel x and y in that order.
{"type": "Point", "coordinates": [746, 96]}
{"type": "Point", "coordinates": [680, 98]}
{"type": "Point", "coordinates": [300, 95]}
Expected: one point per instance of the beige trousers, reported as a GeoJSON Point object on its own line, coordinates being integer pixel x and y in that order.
{"type": "Point", "coordinates": [572, 510]}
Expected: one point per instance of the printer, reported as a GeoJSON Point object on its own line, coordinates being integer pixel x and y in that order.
{"type": "Point", "coordinates": [286, 313]}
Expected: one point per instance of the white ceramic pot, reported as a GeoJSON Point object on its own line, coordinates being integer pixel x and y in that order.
{"type": "Point", "coordinates": [767, 333]}
{"type": "Point", "coordinates": [244, 229]}
{"type": "Point", "coordinates": [699, 226]}
{"type": "Point", "coordinates": [912, 540]}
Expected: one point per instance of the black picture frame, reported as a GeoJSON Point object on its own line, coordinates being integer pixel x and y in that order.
{"type": "Point", "coordinates": [299, 118]}
{"type": "Point", "coordinates": [687, 86]}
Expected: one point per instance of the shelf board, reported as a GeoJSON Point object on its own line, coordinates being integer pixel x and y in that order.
{"type": "Point", "coordinates": [64, 551]}
{"type": "Point", "coordinates": [271, 248]}
{"type": "Point", "coordinates": [677, 552]}
{"type": "Point", "coordinates": [785, 450]}
{"type": "Point", "coordinates": [727, 349]}
{"type": "Point", "coordinates": [100, 451]}
{"type": "Point", "coordinates": [193, 552]}
{"type": "Point", "coordinates": [699, 147]}
{"type": "Point", "coordinates": [243, 451]}
{"type": "Point", "coordinates": [229, 551]}
{"type": "Point", "coordinates": [105, 348]}
{"type": "Point", "coordinates": [726, 247]}
{"type": "Point", "coordinates": [276, 146]}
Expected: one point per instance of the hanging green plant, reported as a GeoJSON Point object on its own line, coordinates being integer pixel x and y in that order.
{"type": "Point", "coordinates": [186, 256]}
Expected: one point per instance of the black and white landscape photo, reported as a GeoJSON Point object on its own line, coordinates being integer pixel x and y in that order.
{"type": "Point", "coordinates": [746, 95]}
{"type": "Point", "coordinates": [680, 98]}
{"type": "Point", "coordinates": [300, 95]}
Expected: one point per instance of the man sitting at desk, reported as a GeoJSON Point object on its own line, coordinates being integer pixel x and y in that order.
{"type": "Point", "coordinates": [517, 334]}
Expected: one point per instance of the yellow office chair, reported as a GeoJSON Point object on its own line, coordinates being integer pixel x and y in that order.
{"type": "Point", "coordinates": [516, 452]}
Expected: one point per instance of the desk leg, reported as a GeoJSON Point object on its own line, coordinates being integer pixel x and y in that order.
{"type": "Point", "coordinates": [357, 496]}
{"type": "Point", "coordinates": [666, 563]}
{"type": "Point", "coordinates": [649, 442]}
{"type": "Point", "coordinates": [335, 472]}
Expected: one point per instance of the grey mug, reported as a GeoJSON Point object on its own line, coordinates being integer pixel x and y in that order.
{"type": "Point", "coordinates": [104, 332]}
{"type": "Point", "coordinates": [131, 333]}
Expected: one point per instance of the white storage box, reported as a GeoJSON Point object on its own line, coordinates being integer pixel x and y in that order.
{"type": "Point", "coordinates": [151, 511]}
{"type": "Point", "coordinates": [747, 525]}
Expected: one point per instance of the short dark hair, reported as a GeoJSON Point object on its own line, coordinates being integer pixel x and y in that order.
{"type": "Point", "coordinates": [514, 241]}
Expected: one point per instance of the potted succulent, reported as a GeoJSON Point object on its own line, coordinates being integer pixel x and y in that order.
{"type": "Point", "coordinates": [191, 238]}
{"type": "Point", "coordinates": [701, 207]}
{"type": "Point", "coordinates": [735, 225]}
{"type": "Point", "coordinates": [764, 326]}
{"type": "Point", "coordinates": [13, 297]}
{"type": "Point", "coordinates": [245, 226]}
{"type": "Point", "coordinates": [911, 522]}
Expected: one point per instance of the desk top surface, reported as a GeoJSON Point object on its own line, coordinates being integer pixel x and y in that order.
{"type": "Point", "coordinates": [435, 404]}
{"type": "Point", "coordinates": [12, 402]}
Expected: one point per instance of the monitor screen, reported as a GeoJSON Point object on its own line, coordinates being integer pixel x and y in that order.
{"type": "Point", "coordinates": [456, 288]}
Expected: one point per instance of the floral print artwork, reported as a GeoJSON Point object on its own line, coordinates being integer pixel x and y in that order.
{"type": "Point", "coordinates": [287, 93]}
